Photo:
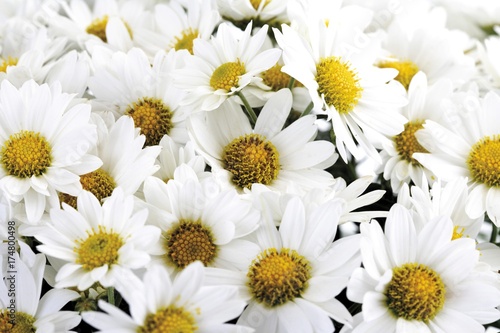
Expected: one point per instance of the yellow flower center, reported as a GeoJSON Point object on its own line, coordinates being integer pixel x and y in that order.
{"type": "Point", "coordinates": [7, 62]}
{"type": "Point", "coordinates": [185, 42]}
{"type": "Point", "coordinates": [227, 75]}
{"type": "Point", "coordinates": [406, 70]}
{"type": "Point", "coordinates": [98, 28]}
{"type": "Point", "coordinates": [18, 322]}
{"type": "Point", "coordinates": [276, 79]}
{"type": "Point", "coordinates": [276, 277]}
{"type": "Point", "coordinates": [98, 182]}
{"type": "Point", "coordinates": [458, 232]}
{"type": "Point", "coordinates": [484, 161]}
{"type": "Point", "coordinates": [407, 144]}
{"type": "Point", "coordinates": [169, 320]}
{"type": "Point", "coordinates": [251, 159]}
{"type": "Point", "coordinates": [256, 3]}
{"type": "Point", "coordinates": [188, 241]}
{"type": "Point", "coordinates": [153, 117]}
{"type": "Point", "coordinates": [338, 83]}
{"type": "Point", "coordinates": [26, 154]}
{"type": "Point", "coordinates": [415, 292]}
{"type": "Point", "coordinates": [99, 249]}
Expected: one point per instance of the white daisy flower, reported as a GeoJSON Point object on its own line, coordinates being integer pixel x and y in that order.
{"type": "Point", "coordinates": [173, 155]}
{"type": "Point", "coordinates": [420, 281]}
{"type": "Point", "coordinates": [97, 242]}
{"type": "Point", "coordinates": [44, 144]}
{"type": "Point", "coordinates": [241, 156]}
{"type": "Point", "coordinates": [338, 71]}
{"type": "Point", "coordinates": [118, 24]}
{"type": "Point", "coordinates": [241, 12]}
{"type": "Point", "coordinates": [425, 103]}
{"type": "Point", "coordinates": [30, 313]}
{"type": "Point", "coordinates": [125, 163]}
{"type": "Point", "coordinates": [223, 66]}
{"type": "Point", "coordinates": [128, 84]}
{"type": "Point", "coordinates": [200, 221]}
{"type": "Point", "coordinates": [292, 283]}
{"type": "Point", "coordinates": [470, 150]}
{"type": "Point", "coordinates": [159, 303]}
{"type": "Point", "coordinates": [177, 27]}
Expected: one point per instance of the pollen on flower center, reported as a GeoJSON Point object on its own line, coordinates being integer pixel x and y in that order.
{"type": "Point", "coordinates": [153, 117]}
{"type": "Point", "coordinates": [7, 62]}
{"type": "Point", "coordinates": [338, 83]}
{"type": "Point", "coordinates": [188, 241]}
{"type": "Point", "coordinates": [98, 182]}
{"type": "Point", "coordinates": [415, 292]}
{"type": "Point", "coordinates": [21, 323]}
{"type": "Point", "coordinates": [276, 79]}
{"type": "Point", "coordinates": [484, 161]}
{"type": "Point", "coordinates": [256, 3]}
{"type": "Point", "coordinates": [26, 154]}
{"type": "Point", "coordinates": [169, 320]}
{"type": "Point", "coordinates": [98, 249]}
{"type": "Point", "coordinates": [406, 143]}
{"type": "Point", "coordinates": [251, 159]}
{"type": "Point", "coordinates": [98, 28]}
{"type": "Point", "coordinates": [406, 70]}
{"type": "Point", "coordinates": [185, 41]}
{"type": "Point", "coordinates": [276, 277]}
{"type": "Point", "coordinates": [227, 75]}
{"type": "Point", "coordinates": [458, 232]}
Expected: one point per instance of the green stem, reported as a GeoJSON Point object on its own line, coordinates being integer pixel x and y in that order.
{"type": "Point", "coordinates": [248, 109]}
{"type": "Point", "coordinates": [307, 110]}
{"type": "Point", "coordinates": [291, 83]}
{"type": "Point", "coordinates": [111, 295]}
{"type": "Point", "coordinates": [494, 233]}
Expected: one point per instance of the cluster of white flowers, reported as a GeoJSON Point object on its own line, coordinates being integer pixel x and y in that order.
{"type": "Point", "coordinates": [173, 166]}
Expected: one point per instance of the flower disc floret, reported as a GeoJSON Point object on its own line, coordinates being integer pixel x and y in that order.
{"type": "Point", "coordinates": [227, 75]}
{"type": "Point", "coordinates": [406, 70]}
{"type": "Point", "coordinates": [484, 161]}
{"type": "Point", "coordinates": [169, 320]}
{"type": "Point", "coordinates": [98, 249]}
{"type": "Point", "coordinates": [153, 117]}
{"type": "Point", "coordinates": [256, 3]}
{"type": "Point", "coordinates": [415, 292]}
{"type": "Point", "coordinates": [406, 143]}
{"type": "Point", "coordinates": [185, 41]}
{"type": "Point", "coordinates": [98, 182]}
{"type": "Point", "coordinates": [276, 277]}
{"type": "Point", "coordinates": [276, 79]}
{"type": "Point", "coordinates": [98, 28]}
{"type": "Point", "coordinates": [21, 323]}
{"type": "Point", "coordinates": [26, 154]}
{"type": "Point", "coordinates": [188, 241]}
{"type": "Point", "coordinates": [10, 61]}
{"type": "Point", "coordinates": [338, 83]}
{"type": "Point", "coordinates": [251, 158]}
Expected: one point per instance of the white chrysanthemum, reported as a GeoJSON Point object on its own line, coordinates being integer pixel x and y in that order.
{"type": "Point", "coordinates": [128, 84]}
{"type": "Point", "coordinates": [471, 150]}
{"type": "Point", "coordinates": [117, 24]}
{"type": "Point", "coordinates": [44, 144]}
{"type": "Point", "coordinates": [223, 66]}
{"type": "Point", "coordinates": [97, 242]}
{"type": "Point", "coordinates": [200, 221]}
{"type": "Point", "coordinates": [420, 281]}
{"type": "Point", "coordinates": [425, 103]}
{"type": "Point", "coordinates": [29, 313]}
{"type": "Point", "coordinates": [272, 12]}
{"type": "Point", "coordinates": [159, 303]}
{"type": "Point", "coordinates": [338, 71]}
{"type": "Point", "coordinates": [177, 27]}
{"type": "Point", "coordinates": [27, 55]}
{"type": "Point", "coordinates": [174, 155]}
{"type": "Point", "coordinates": [292, 283]}
{"type": "Point", "coordinates": [411, 50]}
{"type": "Point", "coordinates": [241, 156]}
{"type": "Point", "coordinates": [125, 163]}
